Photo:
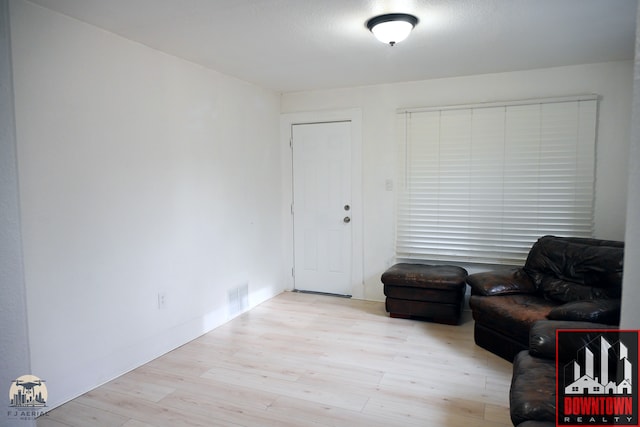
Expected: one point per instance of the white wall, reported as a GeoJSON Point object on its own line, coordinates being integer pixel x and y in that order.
{"type": "Point", "coordinates": [140, 174]}
{"type": "Point", "coordinates": [613, 81]}
{"type": "Point", "coordinates": [631, 283]}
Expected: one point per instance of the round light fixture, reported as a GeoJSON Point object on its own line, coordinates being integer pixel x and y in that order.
{"type": "Point", "coordinates": [392, 27]}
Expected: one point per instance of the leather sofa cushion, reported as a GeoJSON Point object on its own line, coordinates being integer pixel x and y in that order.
{"type": "Point", "coordinates": [563, 290]}
{"type": "Point", "coordinates": [597, 311]}
{"type": "Point", "coordinates": [570, 269]}
{"type": "Point", "coordinates": [533, 389]}
{"type": "Point", "coordinates": [501, 282]}
{"type": "Point", "coordinates": [511, 315]}
{"type": "Point", "coordinates": [443, 277]}
{"type": "Point", "coordinates": [542, 338]}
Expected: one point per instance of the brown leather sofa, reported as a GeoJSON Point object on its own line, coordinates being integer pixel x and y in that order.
{"type": "Point", "coordinates": [573, 279]}
{"type": "Point", "coordinates": [532, 397]}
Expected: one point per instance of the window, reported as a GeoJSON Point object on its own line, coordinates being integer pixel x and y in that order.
{"type": "Point", "coordinates": [482, 183]}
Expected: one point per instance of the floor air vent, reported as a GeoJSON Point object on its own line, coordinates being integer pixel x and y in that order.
{"type": "Point", "coordinates": [238, 299]}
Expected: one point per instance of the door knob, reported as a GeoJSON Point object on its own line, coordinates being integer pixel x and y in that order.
{"type": "Point", "coordinates": [346, 220]}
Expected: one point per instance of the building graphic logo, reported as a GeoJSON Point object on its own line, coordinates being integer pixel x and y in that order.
{"type": "Point", "coordinates": [27, 398]}
{"type": "Point", "coordinates": [596, 381]}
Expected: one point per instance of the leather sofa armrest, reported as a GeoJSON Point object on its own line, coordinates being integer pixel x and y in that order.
{"type": "Point", "coordinates": [598, 311]}
{"type": "Point", "coordinates": [542, 336]}
{"type": "Point", "coordinates": [501, 282]}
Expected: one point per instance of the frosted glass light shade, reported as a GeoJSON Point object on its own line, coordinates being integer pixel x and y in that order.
{"type": "Point", "coordinates": [392, 28]}
{"type": "Point", "coordinates": [392, 32]}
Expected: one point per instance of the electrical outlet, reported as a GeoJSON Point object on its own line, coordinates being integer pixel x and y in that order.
{"type": "Point", "coordinates": [162, 300]}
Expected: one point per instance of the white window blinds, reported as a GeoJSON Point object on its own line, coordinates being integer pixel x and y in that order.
{"type": "Point", "coordinates": [482, 183]}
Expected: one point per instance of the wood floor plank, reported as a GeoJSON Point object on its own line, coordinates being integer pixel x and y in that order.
{"type": "Point", "coordinates": [211, 388]}
{"type": "Point", "coordinates": [133, 423]}
{"type": "Point", "coordinates": [303, 410]}
{"type": "Point", "coordinates": [140, 409]}
{"type": "Point", "coordinates": [497, 413]}
{"type": "Point", "coordinates": [222, 412]}
{"type": "Point", "coordinates": [75, 413]}
{"type": "Point", "coordinates": [127, 384]}
{"type": "Point", "coordinates": [403, 414]}
{"type": "Point", "coordinates": [47, 421]}
{"type": "Point", "coordinates": [308, 360]}
{"type": "Point", "coordinates": [341, 397]}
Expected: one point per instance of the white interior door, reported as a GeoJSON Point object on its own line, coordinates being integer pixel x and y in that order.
{"type": "Point", "coordinates": [322, 207]}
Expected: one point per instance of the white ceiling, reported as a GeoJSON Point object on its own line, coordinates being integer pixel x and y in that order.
{"type": "Point", "coordinates": [292, 45]}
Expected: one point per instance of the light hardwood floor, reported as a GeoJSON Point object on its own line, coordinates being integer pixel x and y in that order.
{"type": "Point", "coordinates": [308, 360]}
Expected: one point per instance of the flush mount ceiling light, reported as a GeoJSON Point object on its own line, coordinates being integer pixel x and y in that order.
{"type": "Point", "coordinates": [392, 27]}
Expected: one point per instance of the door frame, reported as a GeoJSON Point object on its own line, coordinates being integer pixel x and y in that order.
{"type": "Point", "coordinates": [287, 120]}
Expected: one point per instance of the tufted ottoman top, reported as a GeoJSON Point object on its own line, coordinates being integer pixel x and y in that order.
{"type": "Point", "coordinates": [443, 277]}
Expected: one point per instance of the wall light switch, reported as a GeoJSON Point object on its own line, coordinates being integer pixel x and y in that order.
{"type": "Point", "coordinates": [388, 185]}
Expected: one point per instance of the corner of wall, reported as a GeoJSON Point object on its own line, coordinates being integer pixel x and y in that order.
{"type": "Point", "coordinates": [14, 340]}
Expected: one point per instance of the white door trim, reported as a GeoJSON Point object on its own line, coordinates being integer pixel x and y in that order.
{"type": "Point", "coordinates": [357, 248]}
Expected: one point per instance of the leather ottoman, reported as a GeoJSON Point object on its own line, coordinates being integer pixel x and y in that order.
{"type": "Point", "coordinates": [429, 292]}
